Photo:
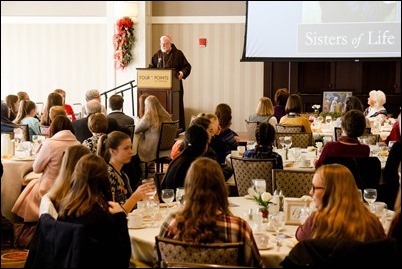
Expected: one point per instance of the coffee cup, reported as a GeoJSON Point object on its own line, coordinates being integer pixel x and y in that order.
{"type": "Point", "coordinates": [134, 220]}
{"type": "Point", "coordinates": [261, 239]}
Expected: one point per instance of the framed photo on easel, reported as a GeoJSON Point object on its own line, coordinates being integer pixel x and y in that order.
{"type": "Point", "coordinates": [292, 208]}
{"type": "Point", "coordinates": [334, 101]}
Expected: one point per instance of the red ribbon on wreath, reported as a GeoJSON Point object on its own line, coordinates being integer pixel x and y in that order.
{"type": "Point", "coordinates": [123, 42]}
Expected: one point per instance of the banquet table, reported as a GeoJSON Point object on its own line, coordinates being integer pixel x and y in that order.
{"type": "Point", "coordinates": [14, 170]}
{"type": "Point", "coordinates": [143, 239]}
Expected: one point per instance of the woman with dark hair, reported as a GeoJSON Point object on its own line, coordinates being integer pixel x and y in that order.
{"type": "Point", "coordinates": [53, 99]}
{"type": "Point", "coordinates": [6, 124]}
{"type": "Point", "coordinates": [227, 136]}
{"type": "Point", "coordinates": [293, 110]}
{"type": "Point", "coordinates": [265, 136]}
{"type": "Point", "coordinates": [280, 98]}
{"type": "Point", "coordinates": [13, 102]}
{"type": "Point", "coordinates": [116, 149]}
{"type": "Point", "coordinates": [195, 145]}
{"type": "Point", "coordinates": [48, 162]}
{"type": "Point", "coordinates": [353, 125]}
{"type": "Point", "coordinates": [205, 217]}
{"type": "Point", "coordinates": [89, 202]}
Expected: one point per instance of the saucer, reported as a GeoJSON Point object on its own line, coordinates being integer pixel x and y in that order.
{"type": "Point", "coordinates": [269, 246]}
{"type": "Point", "coordinates": [139, 227]}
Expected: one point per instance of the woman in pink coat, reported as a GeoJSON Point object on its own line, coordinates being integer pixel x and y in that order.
{"type": "Point", "coordinates": [47, 162]}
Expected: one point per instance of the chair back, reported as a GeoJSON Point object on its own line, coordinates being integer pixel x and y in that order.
{"type": "Point", "coordinates": [292, 183]}
{"type": "Point", "coordinates": [338, 132]}
{"type": "Point", "coordinates": [25, 131]}
{"type": "Point", "coordinates": [251, 127]}
{"type": "Point", "coordinates": [289, 128]}
{"type": "Point", "coordinates": [244, 170]}
{"type": "Point", "coordinates": [167, 138]}
{"type": "Point", "coordinates": [131, 128]}
{"type": "Point", "coordinates": [170, 250]}
{"type": "Point", "coordinates": [366, 171]}
{"type": "Point", "coordinates": [301, 140]}
{"type": "Point", "coordinates": [43, 129]}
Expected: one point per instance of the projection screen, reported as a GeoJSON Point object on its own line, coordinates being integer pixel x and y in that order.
{"type": "Point", "coordinates": [322, 30]}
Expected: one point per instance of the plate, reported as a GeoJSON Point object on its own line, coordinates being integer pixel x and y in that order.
{"type": "Point", "coordinates": [270, 229]}
{"type": "Point", "coordinates": [137, 228]}
{"type": "Point", "coordinates": [266, 247]}
{"type": "Point", "coordinates": [29, 158]}
{"type": "Point", "coordinates": [302, 166]}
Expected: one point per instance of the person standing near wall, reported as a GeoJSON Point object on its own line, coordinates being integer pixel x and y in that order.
{"type": "Point", "coordinates": [170, 57]}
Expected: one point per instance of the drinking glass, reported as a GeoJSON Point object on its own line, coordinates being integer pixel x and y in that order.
{"type": "Point", "coordinates": [296, 151]}
{"type": "Point", "coordinates": [153, 209]}
{"type": "Point", "coordinates": [167, 196]}
{"type": "Point", "coordinates": [259, 186]}
{"type": "Point", "coordinates": [151, 194]}
{"type": "Point", "coordinates": [180, 195]}
{"type": "Point", "coordinates": [277, 222]}
{"type": "Point", "coordinates": [370, 195]}
{"type": "Point", "coordinates": [287, 141]}
{"type": "Point", "coordinates": [281, 141]}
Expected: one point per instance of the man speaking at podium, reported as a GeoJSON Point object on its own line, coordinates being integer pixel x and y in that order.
{"type": "Point", "coordinates": [171, 57]}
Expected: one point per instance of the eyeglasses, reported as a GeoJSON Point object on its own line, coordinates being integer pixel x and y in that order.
{"type": "Point", "coordinates": [317, 188]}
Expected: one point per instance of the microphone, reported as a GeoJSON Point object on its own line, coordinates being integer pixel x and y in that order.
{"type": "Point", "coordinates": [159, 65]}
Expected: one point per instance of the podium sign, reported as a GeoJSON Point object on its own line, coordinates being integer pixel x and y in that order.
{"type": "Point", "coordinates": [148, 78]}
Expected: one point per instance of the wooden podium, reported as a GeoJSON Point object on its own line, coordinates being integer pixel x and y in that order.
{"type": "Point", "coordinates": [163, 84]}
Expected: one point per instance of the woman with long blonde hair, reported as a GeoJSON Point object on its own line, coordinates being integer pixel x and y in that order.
{"type": "Point", "coordinates": [340, 212]}
{"type": "Point", "coordinates": [149, 127]}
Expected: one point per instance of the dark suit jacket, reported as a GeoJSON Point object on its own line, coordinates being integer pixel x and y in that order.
{"type": "Point", "coordinates": [121, 118]}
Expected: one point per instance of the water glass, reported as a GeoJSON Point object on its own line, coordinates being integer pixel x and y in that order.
{"type": "Point", "coordinates": [180, 196]}
{"type": "Point", "coordinates": [152, 193]}
{"type": "Point", "coordinates": [259, 185]}
{"type": "Point", "coordinates": [370, 196]}
{"type": "Point", "coordinates": [167, 196]}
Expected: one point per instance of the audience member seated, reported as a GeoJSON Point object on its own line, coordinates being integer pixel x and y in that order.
{"type": "Point", "coordinates": [89, 202]}
{"type": "Point", "coordinates": [340, 212]}
{"type": "Point", "coordinates": [280, 98]}
{"type": "Point", "coordinates": [395, 226]}
{"type": "Point", "coordinates": [395, 133]}
{"type": "Point", "coordinates": [293, 110]}
{"type": "Point", "coordinates": [116, 149]}
{"type": "Point", "coordinates": [67, 107]}
{"type": "Point", "coordinates": [50, 202]}
{"type": "Point", "coordinates": [206, 217]}
{"type": "Point", "coordinates": [376, 101]}
{"type": "Point", "coordinates": [148, 128]}
{"type": "Point", "coordinates": [92, 94]}
{"type": "Point", "coordinates": [227, 136]}
{"type": "Point", "coordinates": [26, 115]}
{"type": "Point", "coordinates": [353, 125]}
{"type": "Point", "coordinates": [391, 176]}
{"type": "Point", "coordinates": [195, 145]}
{"type": "Point", "coordinates": [23, 95]}
{"type": "Point", "coordinates": [265, 136]}
{"type": "Point", "coordinates": [116, 105]}
{"type": "Point", "coordinates": [264, 112]}
{"type": "Point", "coordinates": [48, 162]}
{"type": "Point", "coordinates": [97, 124]}
{"type": "Point", "coordinates": [81, 129]}
{"type": "Point", "coordinates": [6, 124]}
{"type": "Point", "coordinates": [53, 99]}
{"type": "Point", "coordinates": [352, 102]}
{"type": "Point", "coordinates": [13, 103]}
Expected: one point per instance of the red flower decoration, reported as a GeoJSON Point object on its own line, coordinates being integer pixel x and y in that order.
{"type": "Point", "coordinates": [123, 42]}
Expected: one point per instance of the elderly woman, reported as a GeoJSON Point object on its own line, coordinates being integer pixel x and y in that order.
{"type": "Point", "coordinates": [376, 101]}
{"type": "Point", "coordinates": [340, 213]}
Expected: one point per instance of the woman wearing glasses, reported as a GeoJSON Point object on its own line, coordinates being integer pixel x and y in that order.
{"type": "Point", "coordinates": [340, 213]}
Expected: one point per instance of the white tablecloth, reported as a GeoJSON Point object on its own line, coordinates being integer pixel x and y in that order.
{"type": "Point", "coordinates": [143, 240]}
{"type": "Point", "coordinates": [11, 184]}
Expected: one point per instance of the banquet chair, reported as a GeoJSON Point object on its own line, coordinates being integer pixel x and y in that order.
{"type": "Point", "coordinates": [251, 127]}
{"type": "Point", "coordinates": [338, 253]}
{"type": "Point", "coordinates": [365, 170]}
{"type": "Point", "coordinates": [197, 265]}
{"type": "Point", "coordinates": [43, 129]}
{"type": "Point", "coordinates": [170, 250]}
{"type": "Point", "coordinates": [292, 183]}
{"type": "Point", "coordinates": [280, 128]}
{"type": "Point", "coordinates": [301, 140]}
{"type": "Point", "coordinates": [244, 170]}
{"type": "Point", "coordinates": [167, 137]}
{"type": "Point", "coordinates": [338, 132]}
